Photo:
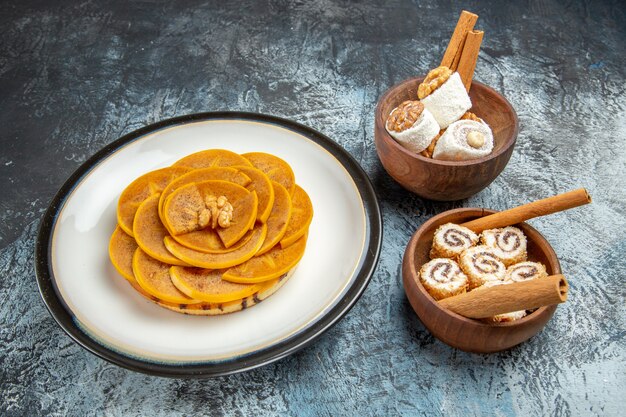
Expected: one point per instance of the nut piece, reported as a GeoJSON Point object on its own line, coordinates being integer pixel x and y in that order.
{"type": "Point", "coordinates": [204, 218]}
{"type": "Point", "coordinates": [471, 116]}
{"type": "Point", "coordinates": [218, 211]}
{"type": "Point", "coordinates": [475, 139]}
{"type": "Point", "coordinates": [405, 115]}
{"type": "Point", "coordinates": [433, 81]}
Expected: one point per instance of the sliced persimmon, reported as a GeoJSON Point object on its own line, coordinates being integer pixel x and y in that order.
{"type": "Point", "coordinates": [208, 285]}
{"type": "Point", "coordinates": [276, 168]}
{"type": "Point", "coordinates": [204, 174]}
{"type": "Point", "coordinates": [122, 247]}
{"type": "Point", "coordinates": [218, 260]}
{"type": "Point", "coordinates": [182, 208]}
{"type": "Point", "coordinates": [263, 187]}
{"type": "Point", "coordinates": [154, 277]}
{"type": "Point", "coordinates": [244, 215]}
{"type": "Point", "coordinates": [211, 158]}
{"type": "Point", "coordinates": [149, 232]}
{"type": "Point", "coordinates": [278, 219]}
{"type": "Point", "coordinates": [276, 262]}
{"type": "Point", "coordinates": [208, 240]}
{"type": "Point", "coordinates": [214, 309]}
{"type": "Point", "coordinates": [301, 216]}
{"type": "Point", "coordinates": [143, 187]}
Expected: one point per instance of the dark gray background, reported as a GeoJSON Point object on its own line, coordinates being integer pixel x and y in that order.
{"type": "Point", "coordinates": [74, 76]}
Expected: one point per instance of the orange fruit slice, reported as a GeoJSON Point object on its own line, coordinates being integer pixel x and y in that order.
{"type": "Point", "coordinates": [273, 264]}
{"type": "Point", "coordinates": [218, 260]}
{"type": "Point", "coordinates": [214, 309]}
{"type": "Point", "coordinates": [208, 285]}
{"type": "Point", "coordinates": [277, 169]}
{"type": "Point", "coordinates": [208, 241]}
{"type": "Point", "coordinates": [263, 187]}
{"type": "Point", "coordinates": [301, 216]}
{"type": "Point", "coordinates": [244, 215]}
{"type": "Point", "coordinates": [211, 158]}
{"type": "Point", "coordinates": [143, 187]}
{"type": "Point", "coordinates": [204, 174]}
{"type": "Point", "coordinates": [278, 219]}
{"type": "Point", "coordinates": [149, 232]}
{"type": "Point", "coordinates": [122, 247]}
{"type": "Point", "coordinates": [154, 277]}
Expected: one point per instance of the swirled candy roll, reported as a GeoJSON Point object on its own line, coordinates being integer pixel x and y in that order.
{"type": "Point", "coordinates": [481, 265]}
{"type": "Point", "coordinates": [505, 317]}
{"type": "Point", "coordinates": [451, 239]}
{"type": "Point", "coordinates": [464, 140]}
{"type": "Point", "coordinates": [443, 278]}
{"type": "Point", "coordinates": [524, 271]}
{"type": "Point", "coordinates": [508, 243]}
{"type": "Point", "coordinates": [412, 126]}
{"type": "Point", "coordinates": [444, 95]}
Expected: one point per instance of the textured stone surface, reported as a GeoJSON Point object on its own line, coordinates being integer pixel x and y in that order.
{"type": "Point", "coordinates": [74, 76]}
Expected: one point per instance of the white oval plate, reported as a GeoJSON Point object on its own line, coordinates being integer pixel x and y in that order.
{"type": "Point", "coordinates": [98, 308]}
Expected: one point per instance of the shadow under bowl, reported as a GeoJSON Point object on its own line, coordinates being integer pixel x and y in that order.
{"type": "Point", "coordinates": [458, 331]}
{"type": "Point", "coordinates": [446, 180]}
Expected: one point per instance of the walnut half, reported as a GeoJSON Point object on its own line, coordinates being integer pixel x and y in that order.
{"type": "Point", "coordinates": [405, 115]}
{"type": "Point", "coordinates": [218, 212]}
{"type": "Point", "coordinates": [433, 81]}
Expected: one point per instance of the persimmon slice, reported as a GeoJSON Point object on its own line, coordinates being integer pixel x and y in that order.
{"type": "Point", "coordinates": [211, 158]}
{"type": "Point", "coordinates": [154, 277]}
{"type": "Point", "coordinates": [149, 232]}
{"type": "Point", "coordinates": [301, 216]}
{"type": "Point", "coordinates": [214, 309]}
{"type": "Point", "coordinates": [263, 187]}
{"type": "Point", "coordinates": [204, 174]}
{"type": "Point", "coordinates": [218, 260]}
{"type": "Point", "coordinates": [271, 265]}
{"type": "Point", "coordinates": [277, 169]}
{"type": "Point", "coordinates": [208, 285]}
{"type": "Point", "coordinates": [244, 215]}
{"type": "Point", "coordinates": [122, 247]}
{"type": "Point", "coordinates": [143, 187]}
{"type": "Point", "coordinates": [278, 219]}
{"type": "Point", "coordinates": [208, 241]}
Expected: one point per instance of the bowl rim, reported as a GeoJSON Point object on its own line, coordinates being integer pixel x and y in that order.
{"type": "Point", "coordinates": [409, 282]}
{"type": "Point", "coordinates": [380, 122]}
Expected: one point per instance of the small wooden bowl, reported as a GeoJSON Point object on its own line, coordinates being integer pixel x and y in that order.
{"type": "Point", "coordinates": [458, 331]}
{"type": "Point", "coordinates": [446, 180]}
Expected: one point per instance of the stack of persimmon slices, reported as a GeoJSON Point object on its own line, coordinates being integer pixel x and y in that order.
{"type": "Point", "coordinates": [214, 233]}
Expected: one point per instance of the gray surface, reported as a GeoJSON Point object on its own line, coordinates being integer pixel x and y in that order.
{"type": "Point", "coordinates": [76, 76]}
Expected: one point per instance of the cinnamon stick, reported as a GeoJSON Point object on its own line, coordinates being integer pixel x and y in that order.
{"type": "Point", "coordinates": [499, 299]}
{"type": "Point", "coordinates": [537, 208]}
{"type": "Point", "coordinates": [452, 55]}
{"type": "Point", "coordinates": [469, 57]}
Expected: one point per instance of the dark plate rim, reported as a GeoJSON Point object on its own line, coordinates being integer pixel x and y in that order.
{"type": "Point", "coordinates": [293, 343]}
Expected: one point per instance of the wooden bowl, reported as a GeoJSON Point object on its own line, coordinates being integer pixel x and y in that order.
{"type": "Point", "coordinates": [455, 330]}
{"type": "Point", "coordinates": [446, 180]}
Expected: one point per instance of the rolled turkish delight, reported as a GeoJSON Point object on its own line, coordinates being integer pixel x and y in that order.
{"type": "Point", "coordinates": [443, 278]}
{"type": "Point", "coordinates": [464, 140]}
{"type": "Point", "coordinates": [412, 126]}
{"type": "Point", "coordinates": [481, 264]}
{"type": "Point", "coordinates": [451, 239]}
{"type": "Point", "coordinates": [509, 244]}
{"type": "Point", "coordinates": [525, 271]}
{"type": "Point", "coordinates": [444, 95]}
